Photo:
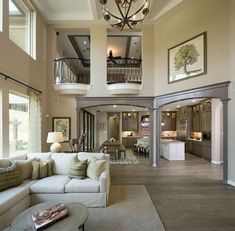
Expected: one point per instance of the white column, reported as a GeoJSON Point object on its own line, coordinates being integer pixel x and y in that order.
{"type": "Point", "coordinates": [217, 132]}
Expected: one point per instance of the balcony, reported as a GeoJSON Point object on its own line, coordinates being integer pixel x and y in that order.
{"type": "Point", "coordinates": [124, 76]}
{"type": "Point", "coordinates": [72, 76]}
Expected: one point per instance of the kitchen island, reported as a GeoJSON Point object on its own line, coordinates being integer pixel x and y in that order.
{"type": "Point", "coordinates": [172, 149]}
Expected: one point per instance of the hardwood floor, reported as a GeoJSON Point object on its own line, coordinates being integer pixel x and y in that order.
{"type": "Point", "coordinates": [188, 195]}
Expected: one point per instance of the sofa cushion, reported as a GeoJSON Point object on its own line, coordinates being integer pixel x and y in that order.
{"type": "Point", "coordinates": [62, 162]}
{"type": "Point", "coordinates": [41, 170]}
{"type": "Point", "coordinates": [41, 156]}
{"type": "Point", "coordinates": [95, 168]}
{"type": "Point", "coordinates": [78, 170]}
{"type": "Point", "coordinates": [9, 177]}
{"type": "Point", "coordinates": [51, 184]}
{"type": "Point", "coordinates": [12, 196]}
{"type": "Point", "coordinates": [82, 186]}
{"type": "Point", "coordinates": [87, 155]}
{"type": "Point", "coordinates": [25, 167]}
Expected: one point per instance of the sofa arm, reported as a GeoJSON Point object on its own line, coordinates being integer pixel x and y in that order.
{"type": "Point", "coordinates": [104, 182]}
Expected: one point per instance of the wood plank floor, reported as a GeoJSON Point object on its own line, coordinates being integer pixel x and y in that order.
{"type": "Point", "coordinates": [188, 195]}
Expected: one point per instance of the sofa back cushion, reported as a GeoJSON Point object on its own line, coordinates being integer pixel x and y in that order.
{"type": "Point", "coordinates": [40, 156]}
{"type": "Point", "coordinates": [9, 177]}
{"type": "Point", "coordinates": [95, 168]}
{"type": "Point", "coordinates": [62, 162]}
{"type": "Point", "coordinates": [87, 155]}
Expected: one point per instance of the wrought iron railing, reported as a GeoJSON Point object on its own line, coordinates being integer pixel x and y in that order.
{"type": "Point", "coordinates": [124, 70]}
{"type": "Point", "coordinates": [72, 70]}
{"type": "Point", "coordinates": [119, 70]}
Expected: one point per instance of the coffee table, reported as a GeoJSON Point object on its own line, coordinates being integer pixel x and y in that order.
{"type": "Point", "coordinates": [75, 221]}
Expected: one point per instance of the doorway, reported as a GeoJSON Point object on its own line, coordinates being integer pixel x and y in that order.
{"type": "Point", "coordinates": [114, 126]}
{"type": "Point", "coordinates": [219, 91]}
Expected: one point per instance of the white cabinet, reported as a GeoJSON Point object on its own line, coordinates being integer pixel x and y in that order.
{"type": "Point", "coordinates": [172, 150]}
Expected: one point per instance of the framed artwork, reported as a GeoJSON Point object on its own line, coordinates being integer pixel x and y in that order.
{"type": "Point", "coordinates": [187, 59]}
{"type": "Point", "coordinates": [62, 124]}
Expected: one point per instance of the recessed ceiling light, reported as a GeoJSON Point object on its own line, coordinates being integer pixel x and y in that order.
{"type": "Point", "coordinates": [84, 42]}
{"type": "Point", "coordinates": [114, 105]}
{"type": "Point", "coordinates": [133, 109]}
{"type": "Point", "coordinates": [168, 109]}
{"type": "Point", "coordinates": [178, 106]}
{"type": "Point", "coordinates": [193, 100]}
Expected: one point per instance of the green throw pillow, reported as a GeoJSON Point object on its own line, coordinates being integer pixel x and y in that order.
{"type": "Point", "coordinates": [78, 170]}
{"type": "Point", "coordinates": [95, 168]}
{"type": "Point", "coordinates": [41, 170]}
{"type": "Point", "coordinates": [9, 177]}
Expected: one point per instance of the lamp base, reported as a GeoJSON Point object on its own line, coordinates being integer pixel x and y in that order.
{"type": "Point", "coordinates": [55, 147]}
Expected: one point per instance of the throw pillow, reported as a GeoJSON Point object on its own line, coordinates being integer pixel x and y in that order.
{"type": "Point", "coordinates": [25, 167]}
{"type": "Point", "coordinates": [78, 170]}
{"type": "Point", "coordinates": [95, 168]}
{"type": "Point", "coordinates": [9, 177]}
{"type": "Point", "coordinates": [41, 170]}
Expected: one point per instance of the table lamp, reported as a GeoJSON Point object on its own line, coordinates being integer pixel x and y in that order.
{"type": "Point", "coordinates": [55, 138]}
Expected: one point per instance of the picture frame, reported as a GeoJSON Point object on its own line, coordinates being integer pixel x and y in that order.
{"type": "Point", "coordinates": [62, 124]}
{"type": "Point", "coordinates": [188, 59]}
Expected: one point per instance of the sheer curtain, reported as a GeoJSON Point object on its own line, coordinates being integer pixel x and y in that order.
{"type": "Point", "coordinates": [34, 122]}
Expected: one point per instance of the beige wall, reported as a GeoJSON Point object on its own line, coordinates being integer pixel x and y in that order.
{"type": "Point", "coordinates": [187, 20]}
{"type": "Point", "coordinates": [17, 64]}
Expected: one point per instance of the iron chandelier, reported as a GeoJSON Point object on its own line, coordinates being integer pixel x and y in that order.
{"type": "Point", "coordinates": [125, 13]}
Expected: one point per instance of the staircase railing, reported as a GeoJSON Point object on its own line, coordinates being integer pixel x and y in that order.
{"type": "Point", "coordinates": [72, 70]}
{"type": "Point", "coordinates": [124, 70]}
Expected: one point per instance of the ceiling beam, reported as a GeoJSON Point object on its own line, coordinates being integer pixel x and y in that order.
{"type": "Point", "coordinates": [75, 46]}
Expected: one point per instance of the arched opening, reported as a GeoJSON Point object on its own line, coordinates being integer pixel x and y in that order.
{"type": "Point", "coordinates": [215, 91]}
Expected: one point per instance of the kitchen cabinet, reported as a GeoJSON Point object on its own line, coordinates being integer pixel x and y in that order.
{"type": "Point", "coordinates": [205, 123]}
{"type": "Point", "coordinates": [196, 116]}
{"type": "Point", "coordinates": [130, 121]}
{"type": "Point", "coordinates": [168, 121]}
{"type": "Point", "coordinates": [206, 150]}
{"type": "Point", "coordinates": [197, 148]}
{"type": "Point", "coordinates": [189, 146]}
{"type": "Point", "coordinates": [129, 141]}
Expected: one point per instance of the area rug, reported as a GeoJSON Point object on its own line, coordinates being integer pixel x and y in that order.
{"type": "Point", "coordinates": [130, 159]}
{"type": "Point", "coordinates": [130, 209]}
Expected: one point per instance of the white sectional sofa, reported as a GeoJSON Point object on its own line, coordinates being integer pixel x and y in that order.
{"type": "Point", "coordinates": [58, 187]}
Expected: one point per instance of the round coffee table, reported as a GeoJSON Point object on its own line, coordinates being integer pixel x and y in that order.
{"type": "Point", "coordinates": [78, 214]}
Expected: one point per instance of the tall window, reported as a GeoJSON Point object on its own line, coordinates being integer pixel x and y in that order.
{"type": "Point", "coordinates": [18, 124]}
{"type": "Point", "coordinates": [21, 24]}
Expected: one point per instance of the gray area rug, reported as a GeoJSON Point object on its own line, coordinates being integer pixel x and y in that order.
{"type": "Point", "coordinates": [130, 159]}
{"type": "Point", "coordinates": [130, 209]}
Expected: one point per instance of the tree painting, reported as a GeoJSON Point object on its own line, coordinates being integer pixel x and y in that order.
{"type": "Point", "coordinates": [186, 55]}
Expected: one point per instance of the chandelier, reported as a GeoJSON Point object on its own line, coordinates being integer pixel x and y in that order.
{"type": "Point", "coordinates": [125, 13]}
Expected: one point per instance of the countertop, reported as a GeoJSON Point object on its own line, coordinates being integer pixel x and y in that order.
{"type": "Point", "coordinates": [195, 140]}
{"type": "Point", "coordinates": [170, 141]}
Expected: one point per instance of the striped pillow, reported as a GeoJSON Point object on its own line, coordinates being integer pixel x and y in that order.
{"type": "Point", "coordinates": [78, 170]}
{"type": "Point", "coordinates": [41, 170]}
{"type": "Point", "coordinates": [10, 176]}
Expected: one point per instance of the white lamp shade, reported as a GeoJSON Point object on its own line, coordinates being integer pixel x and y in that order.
{"type": "Point", "coordinates": [55, 137]}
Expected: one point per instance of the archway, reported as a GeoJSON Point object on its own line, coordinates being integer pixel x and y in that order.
{"type": "Point", "coordinates": [146, 102]}
{"type": "Point", "coordinates": [219, 91]}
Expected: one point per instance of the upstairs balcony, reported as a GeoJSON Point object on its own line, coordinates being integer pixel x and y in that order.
{"type": "Point", "coordinates": [124, 76]}
{"type": "Point", "coordinates": [72, 75]}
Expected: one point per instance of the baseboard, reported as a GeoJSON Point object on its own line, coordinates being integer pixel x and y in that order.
{"type": "Point", "coordinates": [216, 162]}
{"type": "Point", "coordinates": [231, 182]}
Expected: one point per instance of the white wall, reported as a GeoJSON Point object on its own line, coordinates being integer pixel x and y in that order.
{"type": "Point", "coordinates": [19, 65]}
{"type": "Point", "coordinates": [187, 20]}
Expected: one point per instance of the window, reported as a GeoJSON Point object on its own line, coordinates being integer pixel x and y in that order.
{"type": "Point", "coordinates": [18, 124]}
{"type": "Point", "coordinates": [21, 25]}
